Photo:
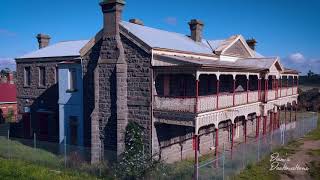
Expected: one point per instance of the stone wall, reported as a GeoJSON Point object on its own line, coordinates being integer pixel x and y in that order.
{"type": "Point", "coordinates": [139, 88]}
{"type": "Point", "coordinates": [89, 64]}
{"type": "Point", "coordinates": [104, 130]}
{"type": "Point", "coordinates": [37, 97]}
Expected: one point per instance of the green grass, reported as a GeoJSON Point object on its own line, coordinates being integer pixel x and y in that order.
{"type": "Point", "coordinates": [314, 152]}
{"type": "Point", "coordinates": [38, 160]}
{"type": "Point", "coordinates": [16, 169]}
{"type": "Point", "coordinates": [259, 171]}
{"type": "Point", "coordinates": [315, 134]}
{"type": "Point", "coordinates": [16, 150]}
{"type": "Point", "coordinates": [289, 149]}
{"type": "Point", "coordinates": [314, 169]}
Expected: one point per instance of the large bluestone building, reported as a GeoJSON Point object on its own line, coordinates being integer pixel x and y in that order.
{"type": "Point", "coordinates": [186, 92]}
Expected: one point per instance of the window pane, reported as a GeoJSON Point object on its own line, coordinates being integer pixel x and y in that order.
{"type": "Point", "coordinates": [27, 76]}
{"type": "Point", "coordinates": [72, 79]}
{"type": "Point", "coordinates": [42, 76]}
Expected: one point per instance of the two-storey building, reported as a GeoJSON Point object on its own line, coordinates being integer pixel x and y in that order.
{"type": "Point", "coordinates": [187, 93]}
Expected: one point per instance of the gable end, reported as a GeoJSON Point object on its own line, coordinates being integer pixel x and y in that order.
{"type": "Point", "coordinates": [237, 49]}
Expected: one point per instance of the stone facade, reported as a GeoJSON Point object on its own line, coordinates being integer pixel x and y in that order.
{"type": "Point", "coordinates": [39, 98]}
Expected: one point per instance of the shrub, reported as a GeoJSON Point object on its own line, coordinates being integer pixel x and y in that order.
{"type": "Point", "coordinates": [134, 162]}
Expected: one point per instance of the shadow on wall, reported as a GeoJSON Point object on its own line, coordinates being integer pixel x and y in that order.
{"type": "Point", "coordinates": [44, 118]}
{"type": "Point", "coordinates": [89, 66]}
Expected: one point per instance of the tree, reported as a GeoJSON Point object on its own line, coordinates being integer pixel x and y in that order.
{"type": "Point", "coordinates": [310, 74]}
{"type": "Point", "coordinates": [5, 71]}
{"type": "Point", "coordinates": [133, 163]}
{"type": "Point", "coordinates": [10, 116]}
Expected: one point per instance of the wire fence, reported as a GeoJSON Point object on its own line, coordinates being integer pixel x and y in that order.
{"type": "Point", "coordinates": [229, 163]}
{"type": "Point", "coordinates": [59, 157]}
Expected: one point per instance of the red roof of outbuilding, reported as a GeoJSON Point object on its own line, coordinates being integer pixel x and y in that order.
{"type": "Point", "coordinates": [8, 92]}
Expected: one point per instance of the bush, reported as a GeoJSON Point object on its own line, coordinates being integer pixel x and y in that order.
{"type": "Point", "coordinates": [134, 163]}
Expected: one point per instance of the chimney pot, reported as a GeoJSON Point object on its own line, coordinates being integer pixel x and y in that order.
{"type": "Point", "coordinates": [43, 40]}
{"type": "Point", "coordinates": [10, 78]}
{"type": "Point", "coordinates": [196, 27]}
{"type": "Point", "coordinates": [136, 21]}
{"type": "Point", "coordinates": [252, 43]}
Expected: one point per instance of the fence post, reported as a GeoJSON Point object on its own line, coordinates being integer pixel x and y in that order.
{"type": "Point", "coordinates": [258, 148]}
{"type": "Point", "coordinates": [8, 145]}
{"type": "Point", "coordinates": [34, 140]}
{"type": "Point", "coordinates": [65, 152]}
{"type": "Point", "coordinates": [223, 156]}
{"type": "Point", "coordinates": [100, 161]}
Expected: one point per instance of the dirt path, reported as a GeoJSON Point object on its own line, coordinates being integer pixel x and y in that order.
{"type": "Point", "coordinates": [301, 158]}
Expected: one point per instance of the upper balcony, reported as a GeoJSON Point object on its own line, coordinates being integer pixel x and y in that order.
{"type": "Point", "coordinates": [183, 93]}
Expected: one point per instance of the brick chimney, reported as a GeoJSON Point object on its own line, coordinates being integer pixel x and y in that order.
{"type": "Point", "coordinates": [10, 79]}
{"type": "Point", "coordinates": [43, 40]}
{"type": "Point", "coordinates": [136, 21]}
{"type": "Point", "coordinates": [196, 27]}
{"type": "Point", "coordinates": [252, 43]}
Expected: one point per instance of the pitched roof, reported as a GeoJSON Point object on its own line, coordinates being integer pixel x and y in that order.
{"type": "Point", "coordinates": [157, 38]}
{"type": "Point", "coordinates": [152, 37]}
{"type": "Point", "coordinates": [8, 93]}
{"type": "Point", "coordinates": [60, 49]}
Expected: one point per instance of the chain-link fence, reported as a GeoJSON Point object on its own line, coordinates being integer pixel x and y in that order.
{"type": "Point", "coordinates": [227, 164]}
{"type": "Point", "coordinates": [52, 155]}
{"type": "Point", "coordinates": [231, 162]}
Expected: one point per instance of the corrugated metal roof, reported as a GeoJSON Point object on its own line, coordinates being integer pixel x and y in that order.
{"type": "Point", "coordinates": [157, 38]}
{"type": "Point", "coordinates": [252, 63]}
{"type": "Point", "coordinates": [8, 93]}
{"type": "Point", "coordinates": [61, 49]}
{"type": "Point", "coordinates": [154, 38]}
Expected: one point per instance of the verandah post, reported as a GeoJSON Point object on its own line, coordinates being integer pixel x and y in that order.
{"type": "Point", "coordinates": [217, 142]}
{"type": "Point", "coordinates": [259, 89]}
{"type": "Point", "coordinates": [271, 119]}
{"type": "Point", "coordinates": [292, 84]}
{"type": "Point", "coordinates": [218, 89]}
{"type": "Point", "coordinates": [275, 120]}
{"type": "Point", "coordinates": [257, 126]}
{"type": "Point", "coordinates": [196, 160]}
{"type": "Point", "coordinates": [233, 126]}
{"type": "Point", "coordinates": [266, 89]}
{"type": "Point", "coordinates": [248, 79]}
{"type": "Point", "coordinates": [290, 114]}
{"type": "Point", "coordinates": [280, 86]}
{"type": "Point", "coordinates": [234, 89]}
{"type": "Point", "coordinates": [245, 131]}
{"type": "Point", "coordinates": [295, 112]}
{"type": "Point", "coordinates": [279, 117]}
{"type": "Point", "coordinates": [285, 117]}
{"type": "Point", "coordinates": [197, 96]}
{"type": "Point", "coordinates": [264, 124]}
{"type": "Point", "coordinates": [277, 89]}
{"type": "Point", "coordinates": [287, 88]}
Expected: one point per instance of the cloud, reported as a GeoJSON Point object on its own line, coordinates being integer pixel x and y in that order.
{"type": "Point", "coordinates": [171, 20]}
{"type": "Point", "coordinates": [297, 58]}
{"type": "Point", "coordinates": [5, 32]}
{"type": "Point", "coordinates": [299, 62]}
